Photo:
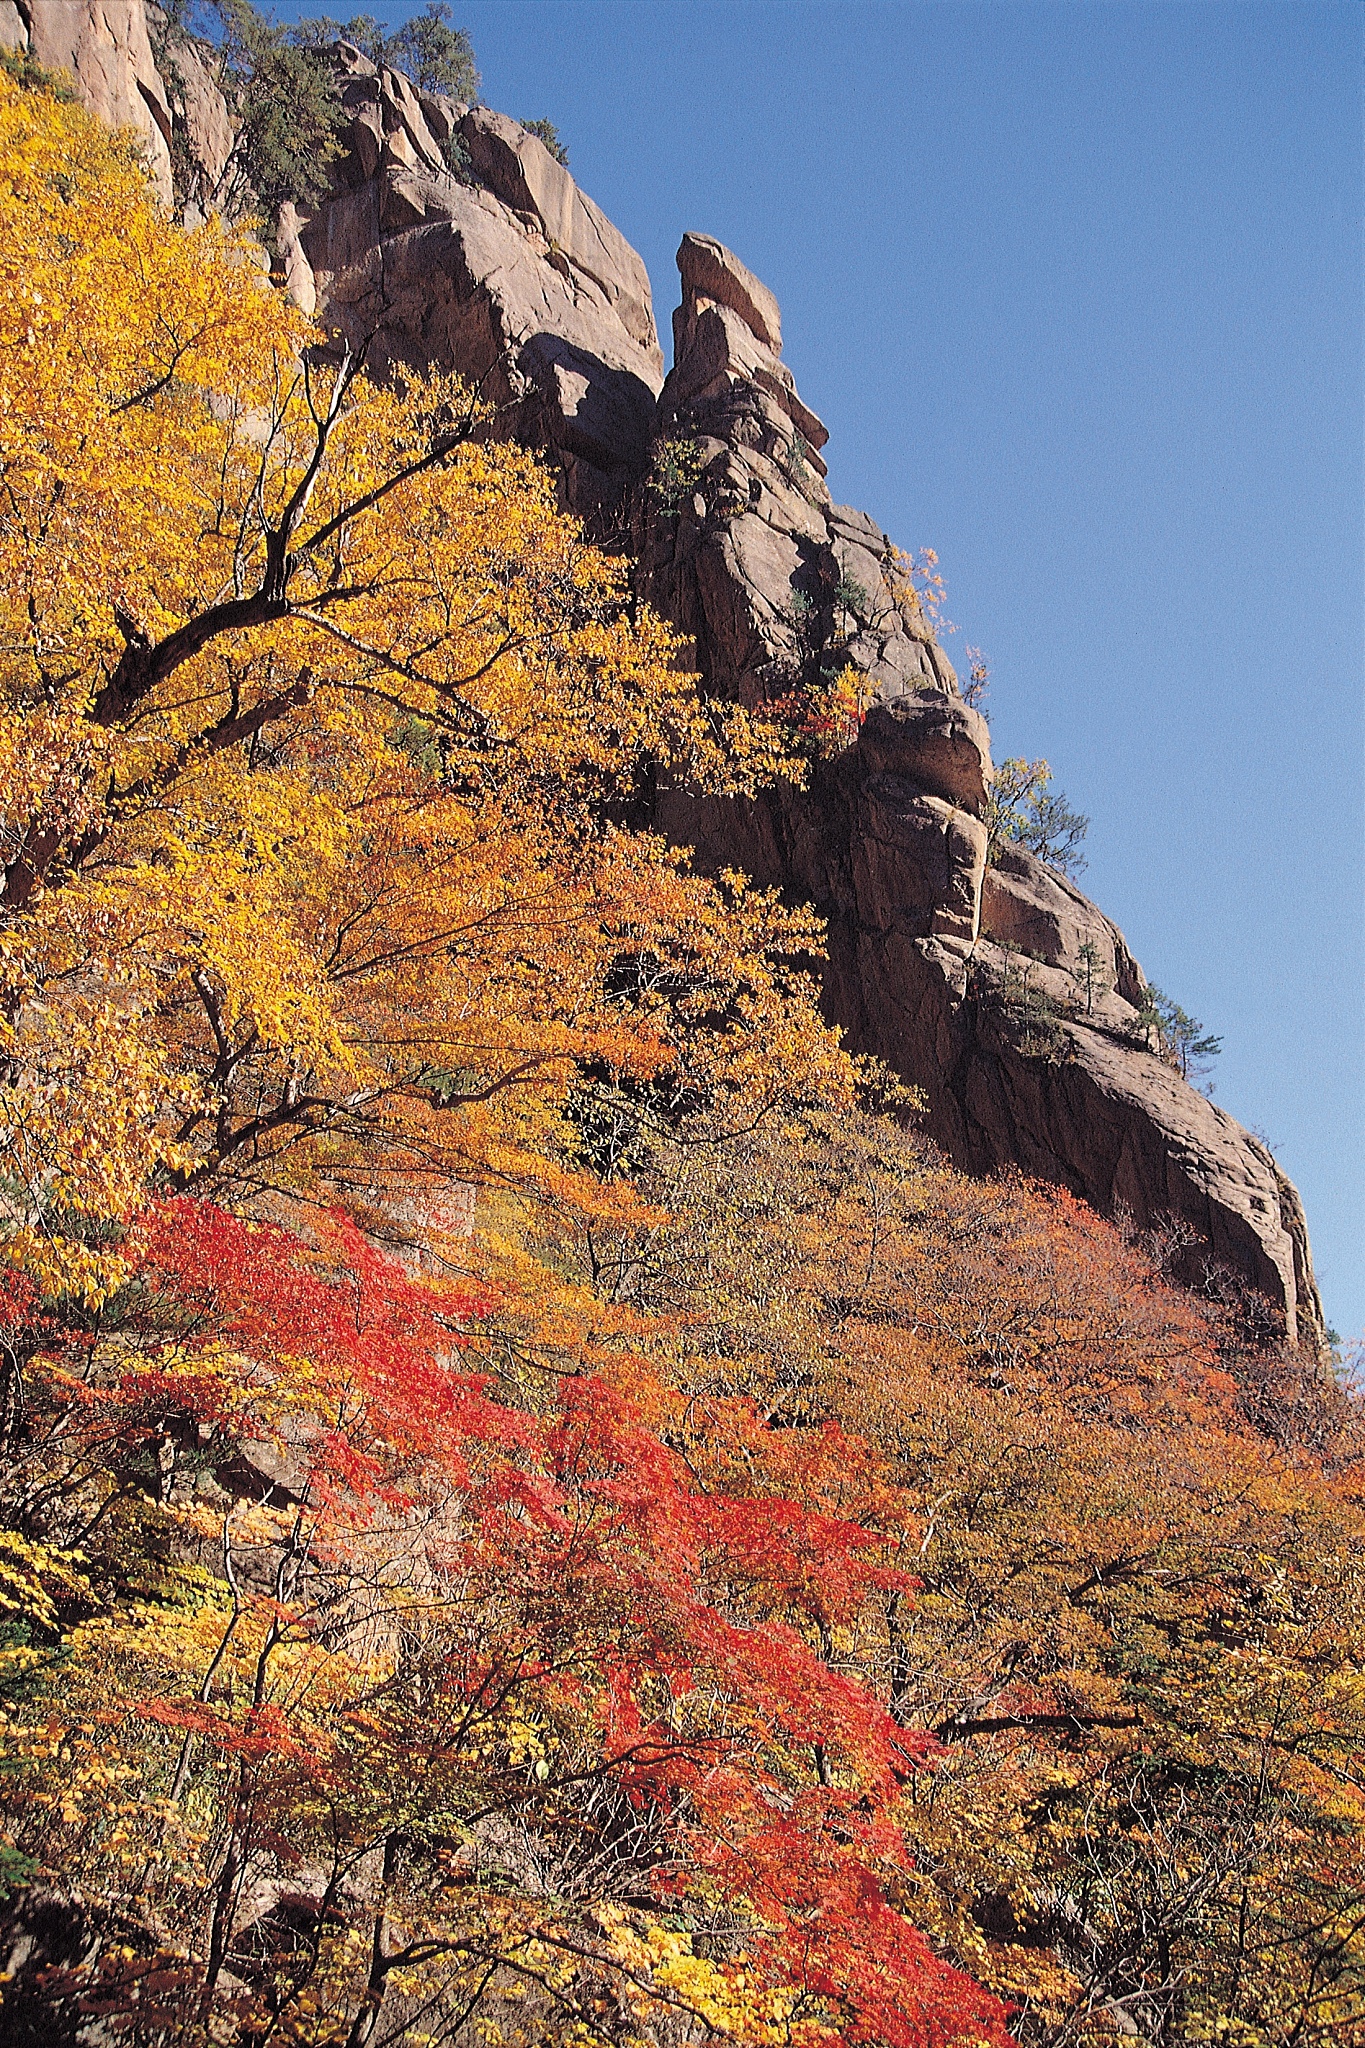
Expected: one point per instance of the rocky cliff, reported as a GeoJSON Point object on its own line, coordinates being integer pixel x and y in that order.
{"type": "Point", "coordinates": [455, 237]}
{"type": "Point", "coordinates": [967, 978]}
{"type": "Point", "coordinates": [105, 47]}
{"type": "Point", "coordinates": [451, 236]}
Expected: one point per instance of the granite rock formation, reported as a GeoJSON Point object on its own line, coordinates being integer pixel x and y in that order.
{"type": "Point", "coordinates": [453, 238]}
{"type": "Point", "coordinates": [105, 46]}
{"type": "Point", "coordinates": [969, 979]}
{"type": "Point", "coordinates": [200, 122]}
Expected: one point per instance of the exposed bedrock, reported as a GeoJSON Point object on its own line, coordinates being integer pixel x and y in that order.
{"type": "Point", "coordinates": [455, 239]}
{"type": "Point", "coordinates": [452, 238]}
{"type": "Point", "coordinates": [1015, 1070]}
{"type": "Point", "coordinates": [1001, 990]}
{"type": "Point", "coordinates": [105, 46]}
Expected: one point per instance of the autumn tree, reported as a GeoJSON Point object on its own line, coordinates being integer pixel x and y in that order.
{"type": "Point", "coordinates": [533, 1506]}
{"type": "Point", "coordinates": [375, 1664]}
{"type": "Point", "coordinates": [386, 1700]}
{"type": "Point", "coordinates": [312, 700]}
{"type": "Point", "coordinates": [1023, 809]}
{"type": "Point", "coordinates": [1129, 1600]}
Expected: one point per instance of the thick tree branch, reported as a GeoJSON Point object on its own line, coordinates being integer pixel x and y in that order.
{"type": "Point", "coordinates": [955, 1730]}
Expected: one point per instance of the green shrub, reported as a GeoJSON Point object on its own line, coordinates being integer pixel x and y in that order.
{"type": "Point", "coordinates": [852, 600]}
{"type": "Point", "coordinates": [549, 135]}
{"type": "Point", "coordinates": [288, 108]}
{"type": "Point", "coordinates": [1032, 1009]}
{"type": "Point", "coordinates": [793, 460]}
{"type": "Point", "coordinates": [1092, 974]}
{"type": "Point", "coordinates": [674, 473]}
{"type": "Point", "coordinates": [435, 56]}
{"type": "Point", "coordinates": [35, 77]}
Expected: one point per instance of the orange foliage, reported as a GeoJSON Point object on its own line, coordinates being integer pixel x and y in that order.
{"type": "Point", "coordinates": [736, 1579]}
{"type": "Point", "coordinates": [1129, 1600]}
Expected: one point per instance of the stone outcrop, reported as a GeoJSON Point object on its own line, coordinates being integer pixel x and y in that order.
{"type": "Point", "coordinates": [105, 46]}
{"type": "Point", "coordinates": [1029, 906]}
{"type": "Point", "coordinates": [453, 238]}
{"type": "Point", "coordinates": [999, 989]}
{"type": "Point", "coordinates": [200, 113]}
{"type": "Point", "coordinates": [758, 565]}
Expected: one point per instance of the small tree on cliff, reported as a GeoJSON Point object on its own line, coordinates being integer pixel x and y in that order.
{"type": "Point", "coordinates": [546, 132]}
{"type": "Point", "coordinates": [1024, 810]}
{"type": "Point", "coordinates": [1091, 973]}
{"type": "Point", "coordinates": [1182, 1038]}
{"type": "Point", "coordinates": [434, 55]}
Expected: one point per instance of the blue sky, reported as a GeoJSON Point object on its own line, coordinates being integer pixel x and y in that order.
{"type": "Point", "coordinates": [1077, 289]}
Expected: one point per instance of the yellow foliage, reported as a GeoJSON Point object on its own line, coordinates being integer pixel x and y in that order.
{"type": "Point", "coordinates": [309, 702]}
{"type": "Point", "coordinates": [314, 716]}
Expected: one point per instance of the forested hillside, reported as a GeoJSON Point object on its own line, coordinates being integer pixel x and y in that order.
{"type": "Point", "coordinates": [535, 1505]}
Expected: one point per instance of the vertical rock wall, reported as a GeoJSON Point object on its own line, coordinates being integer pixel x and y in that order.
{"type": "Point", "coordinates": [970, 980]}
{"type": "Point", "coordinates": [105, 47]}
{"type": "Point", "coordinates": [455, 238]}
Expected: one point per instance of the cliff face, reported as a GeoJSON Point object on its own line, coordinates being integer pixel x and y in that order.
{"type": "Point", "coordinates": [452, 237]}
{"type": "Point", "coordinates": [105, 46]}
{"type": "Point", "coordinates": [966, 978]}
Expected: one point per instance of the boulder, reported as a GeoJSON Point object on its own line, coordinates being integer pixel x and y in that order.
{"type": "Point", "coordinates": [859, 529]}
{"type": "Point", "coordinates": [721, 353]}
{"type": "Point", "coordinates": [407, 136]}
{"type": "Point", "coordinates": [760, 567]}
{"type": "Point", "coordinates": [936, 740]}
{"type": "Point", "coordinates": [919, 859]}
{"type": "Point", "coordinates": [443, 274]}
